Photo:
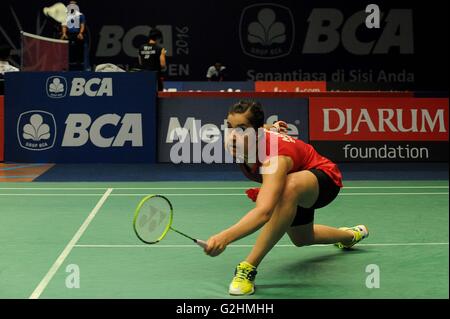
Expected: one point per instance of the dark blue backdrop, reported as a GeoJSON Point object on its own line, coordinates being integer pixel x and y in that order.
{"type": "Point", "coordinates": [409, 51]}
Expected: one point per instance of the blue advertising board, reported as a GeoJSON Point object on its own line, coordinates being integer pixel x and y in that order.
{"type": "Point", "coordinates": [80, 117]}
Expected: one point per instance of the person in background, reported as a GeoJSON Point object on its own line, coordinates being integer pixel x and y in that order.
{"type": "Point", "coordinates": [73, 30]}
{"type": "Point", "coordinates": [152, 56]}
{"type": "Point", "coordinates": [5, 52]}
{"type": "Point", "coordinates": [216, 72]}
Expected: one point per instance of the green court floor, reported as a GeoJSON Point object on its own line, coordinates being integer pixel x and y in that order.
{"type": "Point", "coordinates": [49, 229]}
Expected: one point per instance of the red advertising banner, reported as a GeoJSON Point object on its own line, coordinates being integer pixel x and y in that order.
{"type": "Point", "coordinates": [2, 130]}
{"type": "Point", "coordinates": [290, 86]}
{"type": "Point", "coordinates": [378, 119]}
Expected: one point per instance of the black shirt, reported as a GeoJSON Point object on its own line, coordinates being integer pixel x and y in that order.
{"type": "Point", "coordinates": [150, 57]}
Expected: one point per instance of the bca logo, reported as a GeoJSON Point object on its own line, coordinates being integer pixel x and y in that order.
{"type": "Point", "coordinates": [36, 130]}
{"type": "Point", "coordinates": [56, 87]}
{"type": "Point", "coordinates": [267, 31]}
{"type": "Point", "coordinates": [108, 130]}
{"type": "Point", "coordinates": [94, 87]}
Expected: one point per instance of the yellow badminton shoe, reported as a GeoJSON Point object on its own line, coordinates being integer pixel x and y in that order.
{"type": "Point", "coordinates": [243, 281]}
{"type": "Point", "coordinates": [359, 233]}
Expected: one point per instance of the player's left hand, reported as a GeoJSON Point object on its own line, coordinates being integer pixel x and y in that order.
{"type": "Point", "coordinates": [80, 36]}
{"type": "Point", "coordinates": [281, 127]}
{"type": "Point", "coordinates": [216, 245]}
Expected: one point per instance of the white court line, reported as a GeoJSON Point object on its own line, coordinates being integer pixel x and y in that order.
{"type": "Point", "coordinates": [54, 188]}
{"type": "Point", "coordinates": [207, 188]}
{"type": "Point", "coordinates": [59, 194]}
{"type": "Point", "coordinates": [341, 194]}
{"type": "Point", "coordinates": [217, 194]}
{"type": "Point", "coordinates": [248, 246]}
{"type": "Point", "coordinates": [378, 194]}
{"type": "Point", "coordinates": [60, 260]}
{"type": "Point", "coordinates": [394, 187]}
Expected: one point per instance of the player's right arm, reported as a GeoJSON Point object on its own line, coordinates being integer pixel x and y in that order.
{"type": "Point", "coordinates": [269, 196]}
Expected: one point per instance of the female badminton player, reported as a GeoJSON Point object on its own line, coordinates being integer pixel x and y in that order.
{"type": "Point", "coordinates": [296, 180]}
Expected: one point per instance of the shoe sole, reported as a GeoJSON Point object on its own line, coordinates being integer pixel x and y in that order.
{"type": "Point", "coordinates": [248, 294]}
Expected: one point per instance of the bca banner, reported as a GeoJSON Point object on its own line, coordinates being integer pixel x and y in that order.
{"type": "Point", "coordinates": [80, 117]}
{"type": "Point", "coordinates": [380, 129]}
{"type": "Point", "coordinates": [191, 130]}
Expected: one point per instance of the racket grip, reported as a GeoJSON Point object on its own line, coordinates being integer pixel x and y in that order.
{"type": "Point", "coordinates": [201, 243]}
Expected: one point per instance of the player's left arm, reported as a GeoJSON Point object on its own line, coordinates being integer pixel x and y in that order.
{"type": "Point", "coordinates": [268, 197]}
{"type": "Point", "coordinates": [279, 126]}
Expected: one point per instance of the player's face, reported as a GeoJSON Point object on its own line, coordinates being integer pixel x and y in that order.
{"type": "Point", "coordinates": [241, 137]}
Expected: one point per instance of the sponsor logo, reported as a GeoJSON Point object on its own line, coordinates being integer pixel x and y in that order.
{"type": "Point", "coordinates": [92, 87]}
{"type": "Point", "coordinates": [267, 31]}
{"type": "Point", "coordinates": [108, 130]}
{"type": "Point", "coordinates": [328, 29]}
{"type": "Point", "coordinates": [382, 119]}
{"type": "Point", "coordinates": [114, 39]}
{"type": "Point", "coordinates": [209, 132]}
{"type": "Point", "coordinates": [36, 130]}
{"type": "Point", "coordinates": [56, 87]}
{"type": "Point", "coordinates": [290, 86]}
{"type": "Point", "coordinates": [383, 151]}
{"type": "Point", "coordinates": [197, 142]}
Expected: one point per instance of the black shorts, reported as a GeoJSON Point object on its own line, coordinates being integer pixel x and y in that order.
{"type": "Point", "coordinates": [328, 191]}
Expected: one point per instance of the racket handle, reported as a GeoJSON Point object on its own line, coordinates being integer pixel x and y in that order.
{"type": "Point", "coordinates": [201, 243]}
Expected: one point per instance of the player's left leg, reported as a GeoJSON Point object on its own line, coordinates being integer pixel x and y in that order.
{"type": "Point", "coordinates": [271, 233]}
{"type": "Point", "coordinates": [301, 188]}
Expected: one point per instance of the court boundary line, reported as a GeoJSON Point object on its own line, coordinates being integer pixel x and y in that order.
{"type": "Point", "coordinates": [62, 257]}
{"type": "Point", "coordinates": [248, 246]}
{"type": "Point", "coordinates": [212, 194]}
{"type": "Point", "coordinates": [212, 188]}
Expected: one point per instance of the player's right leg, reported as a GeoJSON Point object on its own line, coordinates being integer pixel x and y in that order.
{"type": "Point", "coordinates": [313, 234]}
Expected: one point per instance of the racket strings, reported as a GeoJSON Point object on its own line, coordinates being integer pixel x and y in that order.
{"type": "Point", "coordinates": [153, 220]}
